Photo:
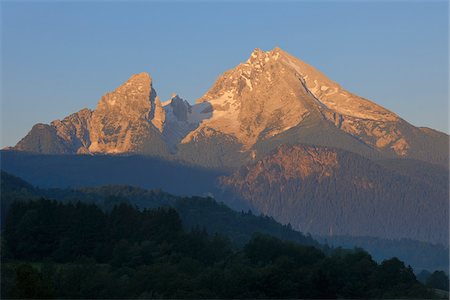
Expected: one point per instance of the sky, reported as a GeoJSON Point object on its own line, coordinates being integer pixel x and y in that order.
{"type": "Point", "coordinates": [59, 57]}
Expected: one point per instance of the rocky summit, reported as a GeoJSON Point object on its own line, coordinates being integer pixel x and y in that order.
{"type": "Point", "coordinates": [124, 118]}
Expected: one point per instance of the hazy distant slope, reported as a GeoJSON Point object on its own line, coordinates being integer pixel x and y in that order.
{"type": "Point", "coordinates": [49, 171]}
{"type": "Point", "coordinates": [419, 255]}
{"type": "Point", "coordinates": [332, 192]}
{"type": "Point", "coordinates": [196, 212]}
{"type": "Point", "coordinates": [419, 170]}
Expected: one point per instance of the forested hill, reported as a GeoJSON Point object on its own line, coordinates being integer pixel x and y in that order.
{"type": "Point", "coordinates": [195, 212]}
{"type": "Point", "coordinates": [56, 250]}
{"type": "Point", "coordinates": [420, 255]}
{"type": "Point", "coordinates": [205, 213]}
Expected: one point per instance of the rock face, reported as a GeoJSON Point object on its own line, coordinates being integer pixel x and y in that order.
{"type": "Point", "coordinates": [181, 119]}
{"type": "Point", "coordinates": [74, 130]}
{"type": "Point", "coordinates": [124, 119]}
{"type": "Point", "coordinates": [271, 99]}
{"type": "Point", "coordinates": [328, 191]}
{"type": "Point", "coordinates": [71, 135]}
{"type": "Point", "coordinates": [127, 120]}
{"type": "Point", "coordinates": [42, 138]}
{"type": "Point", "coordinates": [273, 92]}
{"type": "Point", "coordinates": [257, 99]}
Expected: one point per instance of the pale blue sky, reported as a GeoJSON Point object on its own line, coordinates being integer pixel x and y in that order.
{"type": "Point", "coordinates": [60, 57]}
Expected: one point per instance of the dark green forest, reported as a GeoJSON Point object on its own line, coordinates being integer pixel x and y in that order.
{"type": "Point", "coordinates": [194, 211]}
{"type": "Point", "coordinates": [78, 250]}
{"type": "Point", "coordinates": [420, 255]}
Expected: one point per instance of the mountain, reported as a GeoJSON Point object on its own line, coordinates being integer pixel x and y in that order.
{"type": "Point", "coordinates": [273, 133]}
{"type": "Point", "coordinates": [71, 135]}
{"type": "Point", "coordinates": [273, 98]}
{"type": "Point", "coordinates": [329, 191]}
{"type": "Point", "coordinates": [276, 97]}
{"type": "Point", "coordinates": [181, 119]}
{"type": "Point", "coordinates": [127, 120]}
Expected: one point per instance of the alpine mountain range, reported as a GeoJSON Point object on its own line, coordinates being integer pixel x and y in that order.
{"type": "Point", "coordinates": [273, 134]}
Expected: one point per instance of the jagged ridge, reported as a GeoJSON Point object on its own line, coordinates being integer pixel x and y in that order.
{"type": "Point", "coordinates": [273, 96]}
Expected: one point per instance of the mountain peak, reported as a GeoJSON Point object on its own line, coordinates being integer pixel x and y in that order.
{"type": "Point", "coordinates": [261, 56]}
{"type": "Point", "coordinates": [175, 98]}
{"type": "Point", "coordinates": [143, 76]}
{"type": "Point", "coordinates": [140, 83]}
{"type": "Point", "coordinates": [257, 51]}
{"type": "Point", "coordinates": [277, 49]}
{"type": "Point", "coordinates": [247, 99]}
{"type": "Point", "coordinates": [123, 117]}
{"type": "Point", "coordinates": [326, 91]}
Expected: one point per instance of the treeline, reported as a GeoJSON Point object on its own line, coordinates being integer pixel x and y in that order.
{"type": "Point", "coordinates": [238, 226]}
{"type": "Point", "coordinates": [194, 211]}
{"type": "Point", "coordinates": [437, 279]}
{"type": "Point", "coordinates": [420, 255]}
{"type": "Point", "coordinates": [55, 250]}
